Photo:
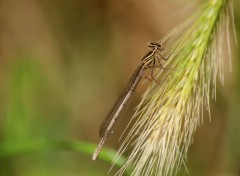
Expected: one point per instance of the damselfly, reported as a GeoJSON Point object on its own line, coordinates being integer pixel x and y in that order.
{"type": "Point", "coordinates": [148, 61]}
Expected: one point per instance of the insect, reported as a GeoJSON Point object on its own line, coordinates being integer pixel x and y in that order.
{"type": "Point", "coordinates": [148, 61]}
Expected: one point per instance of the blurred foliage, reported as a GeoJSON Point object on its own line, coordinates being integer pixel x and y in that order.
{"type": "Point", "coordinates": [63, 63]}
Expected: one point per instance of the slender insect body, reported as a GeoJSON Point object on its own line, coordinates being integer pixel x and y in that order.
{"type": "Point", "coordinates": [107, 126]}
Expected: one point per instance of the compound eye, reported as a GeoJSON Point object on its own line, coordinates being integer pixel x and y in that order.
{"type": "Point", "coordinates": [151, 44]}
{"type": "Point", "coordinates": [161, 47]}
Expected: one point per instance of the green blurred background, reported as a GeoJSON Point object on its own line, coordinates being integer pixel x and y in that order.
{"type": "Point", "coordinates": [64, 63]}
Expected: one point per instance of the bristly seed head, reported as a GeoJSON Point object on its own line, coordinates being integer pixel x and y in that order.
{"type": "Point", "coordinates": [169, 113]}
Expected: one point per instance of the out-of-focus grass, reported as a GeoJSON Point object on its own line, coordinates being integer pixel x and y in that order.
{"type": "Point", "coordinates": [26, 131]}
